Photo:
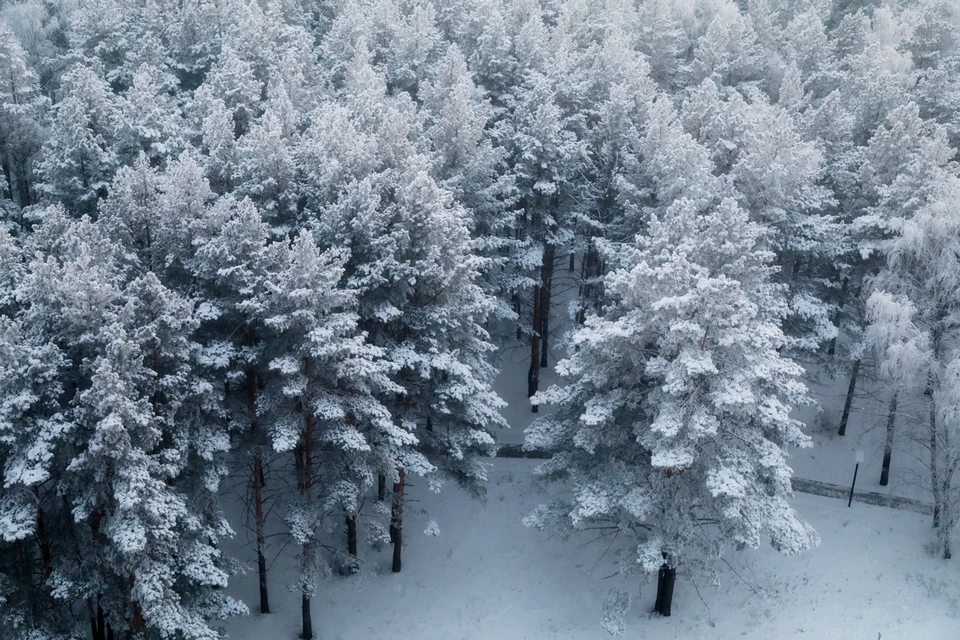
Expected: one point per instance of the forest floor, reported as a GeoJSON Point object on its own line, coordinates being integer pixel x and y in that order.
{"type": "Point", "coordinates": [488, 577]}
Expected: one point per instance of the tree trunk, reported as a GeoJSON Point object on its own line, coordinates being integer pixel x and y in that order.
{"type": "Point", "coordinates": [258, 482]}
{"type": "Point", "coordinates": [573, 260]}
{"type": "Point", "coordinates": [518, 308]}
{"type": "Point", "coordinates": [948, 517]}
{"type": "Point", "coordinates": [934, 476]}
{"type": "Point", "coordinates": [5, 164]}
{"type": "Point", "coordinates": [46, 555]}
{"type": "Point", "coordinates": [888, 445]}
{"type": "Point", "coordinates": [261, 535]}
{"type": "Point", "coordinates": [832, 349]}
{"type": "Point", "coordinates": [381, 487]}
{"type": "Point", "coordinates": [665, 582]}
{"type": "Point", "coordinates": [946, 513]}
{"type": "Point", "coordinates": [549, 260]}
{"type": "Point", "coordinates": [96, 620]}
{"type": "Point", "coordinates": [305, 466]}
{"type": "Point", "coordinates": [588, 270]}
{"type": "Point", "coordinates": [396, 519]}
{"type": "Point", "coordinates": [137, 623]}
{"type": "Point", "coordinates": [851, 389]}
{"type": "Point", "coordinates": [306, 617]}
{"type": "Point", "coordinates": [352, 536]}
{"type": "Point", "coordinates": [533, 376]}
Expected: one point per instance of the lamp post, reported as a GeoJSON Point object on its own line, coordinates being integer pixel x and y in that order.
{"type": "Point", "coordinates": [859, 459]}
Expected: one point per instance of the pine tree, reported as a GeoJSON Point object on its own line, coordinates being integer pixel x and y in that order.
{"type": "Point", "coordinates": [83, 152]}
{"type": "Point", "coordinates": [677, 405]}
{"type": "Point", "coordinates": [22, 107]}
{"type": "Point", "coordinates": [130, 529]}
{"type": "Point", "coordinates": [324, 403]}
{"type": "Point", "coordinates": [420, 300]}
{"type": "Point", "coordinates": [466, 161]}
{"type": "Point", "coordinates": [265, 171]}
{"type": "Point", "coordinates": [153, 116]}
{"type": "Point", "coordinates": [548, 159]}
{"type": "Point", "coordinates": [912, 314]}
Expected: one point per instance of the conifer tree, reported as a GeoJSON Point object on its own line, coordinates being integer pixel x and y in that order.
{"type": "Point", "coordinates": [676, 408]}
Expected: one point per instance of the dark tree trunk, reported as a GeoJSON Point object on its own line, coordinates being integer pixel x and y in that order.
{"type": "Point", "coordinates": [96, 620]}
{"type": "Point", "coordinates": [934, 476]}
{"type": "Point", "coordinates": [549, 261]}
{"type": "Point", "coordinates": [381, 487]}
{"type": "Point", "coordinates": [259, 515]}
{"type": "Point", "coordinates": [666, 579]}
{"type": "Point", "coordinates": [832, 349]}
{"type": "Point", "coordinates": [5, 167]}
{"type": "Point", "coordinates": [573, 260]}
{"type": "Point", "coordinates": [261, 535]}
{"type": "Point", "coordinates": [851, 389]}
{"type": "Point", "coordinates": [533, 376]}
{"type": "Point", "coordinates": [305, 468]}
{"type": "Point", "coordinates": [588, 270]}
{"type": "Point", "coordinates": [137, 622]}
{"type": "Point", "coordinates": [796, 266]}
{"type": "Point", "coordinates": [518, 308]}
{"type": "Point", "coordinates": [352, 535]}
{"type": "Point", "coordinates": [396, 520]}
{"type": "Point", "coordinates": [46, 555]}
{"type": "Point", "coordinates": [306, 617]}
{"type": "Point", "coordinates": [946, 511]}
{"type": "Point", "coordinates": [888, 445]}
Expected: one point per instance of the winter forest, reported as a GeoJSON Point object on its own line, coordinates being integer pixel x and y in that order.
{"type": "Point", "coordinates": [583, 290]}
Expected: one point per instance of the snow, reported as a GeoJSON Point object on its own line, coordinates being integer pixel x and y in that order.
{"type": "Point", "coordinates": [832, 458]}
{"type": "Point", "coordinates": [487, 576]}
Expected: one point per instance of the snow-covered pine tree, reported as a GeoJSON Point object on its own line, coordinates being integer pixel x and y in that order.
{"type": "Point", "coordinates": [323, 404]}
{"type": "Point", "coordinates": [548, 159]}
{"type": "Point", "coordinates": [914, 324]}
{"type": "Point", "coordinates": [467, 163]}
{"type": "Point", "coordinates": [82, 153]}
{"type": "Point", "coordinates": [29, 425]}
{"type": "Point", "coordinates": [421, 301]}
{"type": "Point", "coordinates": [265, 171]}
{"type": "Point", "coordinates": [153, 117]}
{"type": "Point", "coordinates": [621, 92]}
{"type": "Point", "coordinates": [22, 109]}
{"type": "Point", "coordinates": [417, 280]}
{"type": "Point", "coordinates": [228, 269]}
{"type": "Point", "coordinates": [676, 409]}
{"type": "Point", "coordinates": [132, 527]}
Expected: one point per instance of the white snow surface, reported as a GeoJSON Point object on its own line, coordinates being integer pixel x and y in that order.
{"type": "Point", "coordinates": [487, 577]}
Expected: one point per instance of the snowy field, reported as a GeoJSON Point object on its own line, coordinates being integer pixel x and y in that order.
{"type": "Point", "coordinates": [487, 577]}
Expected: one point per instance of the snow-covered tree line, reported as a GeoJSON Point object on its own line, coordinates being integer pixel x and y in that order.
{"type": "Point", "coordinates": [281, 240]}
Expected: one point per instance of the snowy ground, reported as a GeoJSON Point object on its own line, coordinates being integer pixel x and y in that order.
{"type": "Point", "coordinates": [831, 459]}
{"type": "Point", "coordinates": [488, 577]}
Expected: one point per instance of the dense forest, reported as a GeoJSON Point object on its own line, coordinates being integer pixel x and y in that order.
{"type": "Point", "coordinates": [281, 241]}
